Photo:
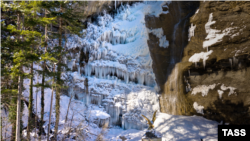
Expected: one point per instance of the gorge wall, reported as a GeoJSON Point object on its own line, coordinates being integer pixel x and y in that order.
{"type": "Point", "coordinates": [205, 68]}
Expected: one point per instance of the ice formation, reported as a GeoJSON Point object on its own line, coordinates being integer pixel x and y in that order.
{"type": "Point", "coordinates": [119, 68]}
{"type": "Point", "coordinates": [116, 50]}
{"type": "Point", "coordinates": [191, 31]}
{"type": "Point", "coordinates": [203, 89]}
{"type": "Point", "coordinates": [123, 102]}
{"type": "Point", "coordinates": [199, 109]}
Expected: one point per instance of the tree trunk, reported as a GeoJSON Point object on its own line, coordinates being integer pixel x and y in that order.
{"type": "Point", "coordinates": [18, 115]}
{"type": "Point", "coordinates": [30, 120]}
{"type": "Point", "coordinates": [36, 117]}
{"type": "Point", "coordinates": [66, 118]}
{"type": "Point", "coordinates": [51, 102]}
{"type": "Point", "coordinates": [43, 81]}
{"type": "Point", "coordinates": [1, 137]}
{"type": "Point", "coordinates": [58, 78]}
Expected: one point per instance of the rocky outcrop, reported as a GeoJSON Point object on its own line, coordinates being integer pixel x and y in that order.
{"type": "Point", "coordinates": [165, 60]}
{"type": "Point", "coordinates": [92, 9]}
{"type": "Point", "coordinates": [228, 64]}
{"type": "Point", "coordinates": [205, 69]}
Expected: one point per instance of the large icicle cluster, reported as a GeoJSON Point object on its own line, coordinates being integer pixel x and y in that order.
{"type": "Point", "coordinates": [123, 102]}
{"type": "Point", "coordinates": [101, 41]}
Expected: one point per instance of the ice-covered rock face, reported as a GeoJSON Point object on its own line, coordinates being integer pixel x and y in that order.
{"type": "Point", "coordinates": [117, 47]}
{"type": "Point", "coordinates": [123, 102]}
{"type": "Point", "coordinates": [118, 66]}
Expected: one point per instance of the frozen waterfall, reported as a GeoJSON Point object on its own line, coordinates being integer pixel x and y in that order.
{"type": "Point", "coordinates": [118, 66]}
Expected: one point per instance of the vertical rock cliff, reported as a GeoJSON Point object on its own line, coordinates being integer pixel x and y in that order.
{"type": "Point", "coordinates": [166, 60]}
{"type": "Point", "coordinates": [205, 68]}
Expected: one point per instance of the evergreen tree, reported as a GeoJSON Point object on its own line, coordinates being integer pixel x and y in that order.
{"type": "Point", "coordinates": [68, 20]}
{"type": "Point", "coordinates": [25, 37]}
{"type": "Point", "coordinates": [22, 38]}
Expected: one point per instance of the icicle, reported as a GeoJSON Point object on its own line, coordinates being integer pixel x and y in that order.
{"type": "Point", "coordinates": [189, 72]}
{"type": "Point", "coordinates": [140, 77]}
{"type": "Point", "coordinates": [204, 63]}
{"type": "Point", "coordinates": [115, 4]}
{"type": "Point", "coordinates": [99, 55]}
{"type": "Point", "coordinates": [235, 61]}
{"type": "Point", "coordinates": [78, 67]}
{"type": "Point", "coordinates": [126, 77]}
{"type": "Point", "coordinates": [88, 70]}
{"type": "Point", "coordinates": [195, 64]}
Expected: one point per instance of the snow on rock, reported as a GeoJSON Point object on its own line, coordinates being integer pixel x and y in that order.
{"type": "Point", "coordinates": [197, 11]}
{"type": "Point", "coordinates": [198, 56]}
{"type": "Point", "coordinates": [191, 31]}
{"type": "Point", "coordinates": [199, 109]}
{"type": "Point", "coordinates": [99, 114]}
{"type": "Point", "coordinates": [220, 93]}
{"type": "Point", "coordinates": [162, 38]}
{"type": "Point", "coordinates": [214, 35]}
{"type": "Point", "coordinates": [232, 89]}
{"type": "Point", "coordinates": [203, 89]}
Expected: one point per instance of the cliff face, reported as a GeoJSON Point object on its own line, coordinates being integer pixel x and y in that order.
{"type": "Point", "coordinates": [98, 6]}
{"type": "Point", "coordinates": [227, 66]}
{"type": "Point", "coordinates": [175, 26]}
{"type": "Point", "coordinates": [205, 68]}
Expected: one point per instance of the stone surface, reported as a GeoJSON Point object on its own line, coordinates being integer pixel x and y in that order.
{"type": "Point", "coordinates": [227, 66]}
{"type": "Point", "coordinates": [91, 9]}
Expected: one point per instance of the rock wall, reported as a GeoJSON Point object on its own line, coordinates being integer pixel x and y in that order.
{"type": "Point", "coordinates": [228, 64]}
{"type": "Point", "coordinates": [165, 60]}
{"type": "Point", "coordinates": [92, 9]}
{"type": "Point", "coordinates": [205, 69]}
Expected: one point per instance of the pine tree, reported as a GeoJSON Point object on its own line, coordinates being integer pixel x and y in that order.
{"type": "Point", "coordinates": [23, 44]}
{"type": "Point", "coordinates": [68, 20]}
{"type": "Point", "coordinates": [21, 39]}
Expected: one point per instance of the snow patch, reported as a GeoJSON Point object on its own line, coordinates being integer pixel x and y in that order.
{"type": "Point", "coordinates": [198, 56]}
{"type": "Point", "coordinates": [159, 33]}
{"type": "Point", "coordinates": [232, 89]}
{"type": "Point", "coordinates": [199, 109]}
{"type": "Point", "coordinates": [203, 89]}
{"type": "Point", "coordinates": [214, 35]}
{"type": "Point", "coordinates": [191, 31]}
{"type": "Point", "coordinates": [220, 93]}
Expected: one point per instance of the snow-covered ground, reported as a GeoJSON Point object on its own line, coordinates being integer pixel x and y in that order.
{"type": "Point", "coordinates": [172, 128]}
